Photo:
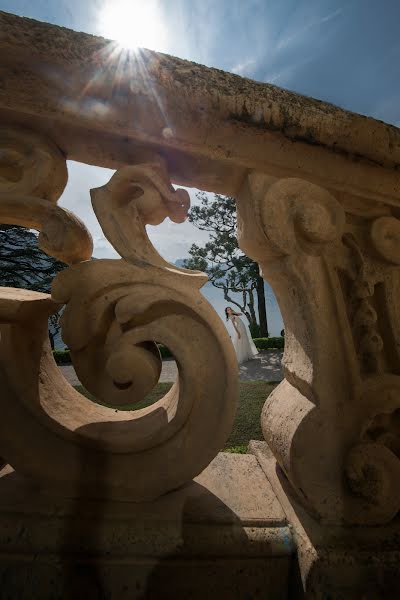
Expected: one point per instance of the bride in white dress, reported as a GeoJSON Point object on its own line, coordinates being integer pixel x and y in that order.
{"type": "Point", "coordinates": [243, 344]}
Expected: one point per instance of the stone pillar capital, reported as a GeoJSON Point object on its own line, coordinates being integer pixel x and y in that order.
{"type": "Point", "coordinates": [333, 421]}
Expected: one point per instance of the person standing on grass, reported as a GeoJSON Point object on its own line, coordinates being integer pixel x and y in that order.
{"type": "Point", "coordinates": [243, 344]}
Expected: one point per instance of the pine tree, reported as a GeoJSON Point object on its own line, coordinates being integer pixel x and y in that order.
{"type": "Point", "coordinates": [24, 265]}
{"type": "Point", "coordinates": [225, 264]}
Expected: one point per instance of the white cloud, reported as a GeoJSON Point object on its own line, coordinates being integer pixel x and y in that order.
{"type": "Point", "coordinates": [299, 34]}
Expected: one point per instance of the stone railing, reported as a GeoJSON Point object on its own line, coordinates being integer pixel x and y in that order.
{"type": "Point", "coordinates": [318, 192]}
{"type": "Point", "coordinates": [115, 312]}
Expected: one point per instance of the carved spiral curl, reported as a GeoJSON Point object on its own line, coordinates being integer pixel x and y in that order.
{"type": "Point", "coordinates": [31, 165]}
{"type": "Point", "coordinates": [373, 474]}
{"type": "Point", "coordinates": [62, 235]}
{"type": "Point", "coordinates": [372, 466]}
{"type": "Point", "coordinates": [385, 236]}
{"type": "Point", "coordinates": [136, 196]}
{"type": "Point", "coordinates": [296, 213]}
{"type": "Point", "coordinates": [80, 447]}
{"type": "Point", "coordinates": [33, 175]}
{"type": "Point", "coordinates": [115, 312]}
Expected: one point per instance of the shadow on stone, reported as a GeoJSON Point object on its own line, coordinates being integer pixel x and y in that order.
{"type": "Point", "coordinates": [190, 543]}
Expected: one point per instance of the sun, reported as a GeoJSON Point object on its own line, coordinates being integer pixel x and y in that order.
{"type": "Point", "coordinates": [133, 24]}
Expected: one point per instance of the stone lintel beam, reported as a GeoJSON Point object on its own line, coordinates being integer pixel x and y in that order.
{"type": "Point", "coordinates": [106, 107]}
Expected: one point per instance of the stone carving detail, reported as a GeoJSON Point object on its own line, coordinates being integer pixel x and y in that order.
{"type": "Point", "coordinates": [364, 317]}
{"type": "Point", "coordinates": [33, 175]}
{"type": "Point", "coordinates": [137, 196]}
{"type": "Point", "coordinates": [385, 428]}
{"type": "Point", "coordinates": [372, 465]}
{"type": "Point", "coordinates": [115, 312]}
{"type": "Point", "coordinates": [31, 165]}
{"type": "Point", "coordinates": [385, 236]}
{"type": "Point", "coordinates": [330, 424]}
{"type": "Point", "coordinates": [296, 215]}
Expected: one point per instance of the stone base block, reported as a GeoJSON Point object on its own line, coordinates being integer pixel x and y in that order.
{"type": "Point", "coordinates": [337, 563]}
{"type": "Point", "coordinates": [223, 536]}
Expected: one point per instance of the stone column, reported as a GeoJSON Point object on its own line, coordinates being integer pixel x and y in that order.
{"type": "Point", "coordinates": [333, 423]}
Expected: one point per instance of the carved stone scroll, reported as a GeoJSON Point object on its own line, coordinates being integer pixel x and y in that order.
{"type": "Point", "coordinates": [115, 312]}
{"type": "Point", "coordinates": [31, 164]}
{"type": "Point", "coordinates": [332, 423]}
{"type": "Point", "coordinates": [33, 175]}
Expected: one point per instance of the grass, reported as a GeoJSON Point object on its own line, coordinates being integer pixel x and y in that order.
{"type": "Point", "coordinates": [246, 426]}
{"type": "Point", "coordinates": [158, 392]}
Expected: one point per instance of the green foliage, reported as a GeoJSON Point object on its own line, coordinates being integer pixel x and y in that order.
{"type": "Point", "coordinates": [255, 330]}
{"type": "Point", "coordinates": [62, 357]}
{"type": "Point", "coordinates": [225, 264]}
{"type": "Point", "coordinates": [241, 449]}
{"type": "Point", "coordinates": [24, 265]}
{"type": "Point", "coordinates": [164, 351]}
{"type": "Point", "coordinates": [156, 394]}
{"type": "Point", "coordinates": [247, 424]}
{"type": "Point", "coordinates": [269, 343]}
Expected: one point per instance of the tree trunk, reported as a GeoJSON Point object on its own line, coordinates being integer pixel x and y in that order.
{"type": "Point", "coordinates": [240, 307]}
{"type": "Point", "coordinates": [51, 336]}
{"type": "Point", "coordinates": [262, 311]}
{"type": "Point", "coordinates": [251, 307]}
{"type": "Point", "coordinates": [254, 326]}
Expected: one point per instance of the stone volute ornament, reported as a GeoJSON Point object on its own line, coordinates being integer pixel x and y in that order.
{"type": "Point", "coordinates": [333, 423]}
{"type": "Point", "coordinates": [115, 312]}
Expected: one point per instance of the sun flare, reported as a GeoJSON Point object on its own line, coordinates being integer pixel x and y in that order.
{"type": "Point", "coordinates": [133, 24]}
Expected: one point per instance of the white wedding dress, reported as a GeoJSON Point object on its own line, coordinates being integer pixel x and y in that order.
{"type": "Point", "coordinates": [244, 346]}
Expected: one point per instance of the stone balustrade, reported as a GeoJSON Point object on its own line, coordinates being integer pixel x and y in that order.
{"type": "Point", "coordinates": [318, 196]}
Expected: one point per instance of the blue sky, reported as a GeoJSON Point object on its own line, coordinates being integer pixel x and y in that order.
{"type": "Point", "coordinates": [347, 53]}
{"type": "Point", "coordinates": [344, 52]}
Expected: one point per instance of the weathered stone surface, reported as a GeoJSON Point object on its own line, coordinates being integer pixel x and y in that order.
{"type": "Point", "coordinates": [210, 126]}
{"type": "Point", "coordinates": [194, 542]}
{"type": "Point", "coordinates": [239, 483]}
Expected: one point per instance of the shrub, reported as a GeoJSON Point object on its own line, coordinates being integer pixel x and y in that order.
{"type": "Point", "coordinates": [164, 351]}
{"type": "Point", "coordinates": [62, 357]}
{"type": "Point", "coordinates": [254, 330]}
{"type": "Point", "coordinates": [269, 343]}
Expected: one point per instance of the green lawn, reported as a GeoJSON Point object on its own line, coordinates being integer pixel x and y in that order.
{"type": "Point", "coordinates": [246, 426]}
